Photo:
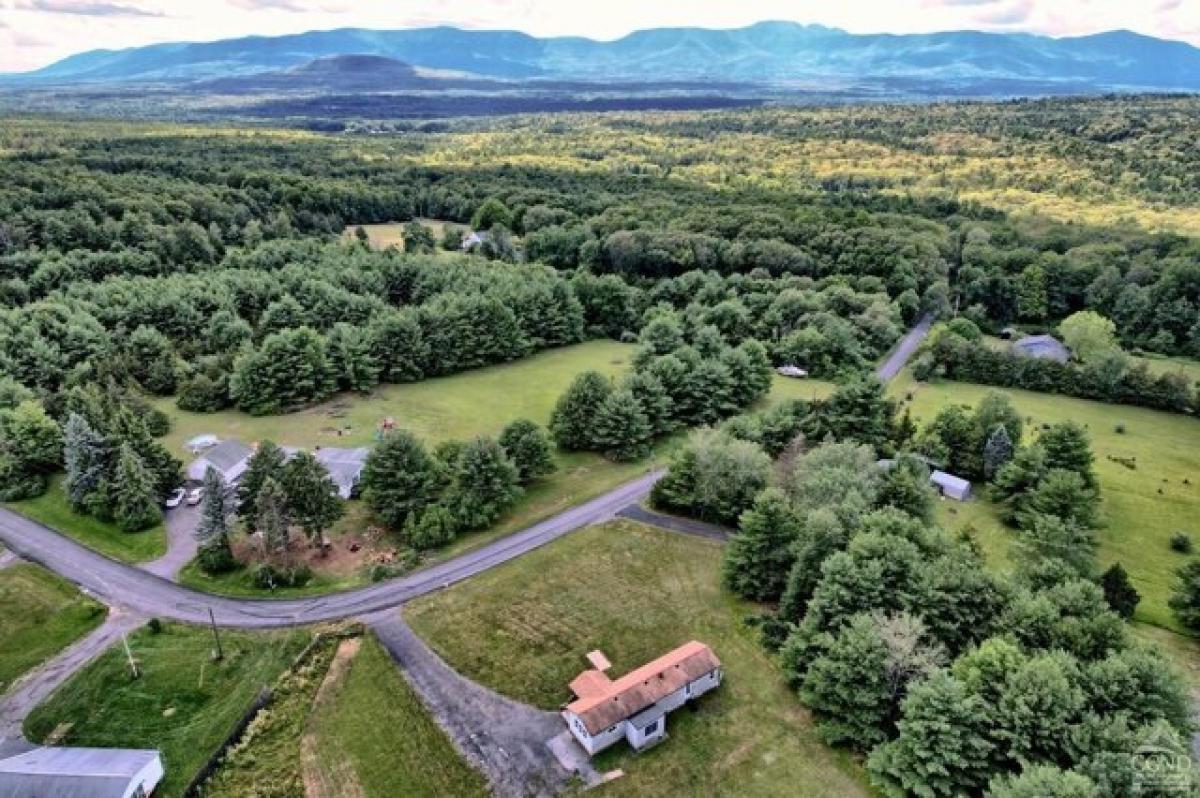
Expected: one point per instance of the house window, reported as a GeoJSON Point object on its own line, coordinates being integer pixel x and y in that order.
{"type": "Point", "coordinates": [687, 689]}
{"type": "Point", "coordinates": [651, 729]}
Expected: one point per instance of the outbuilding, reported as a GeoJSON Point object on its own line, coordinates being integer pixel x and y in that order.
{"type": "Point", "coordinates": [81, 773]}
{"type": "Point", "coordinates": [635, 706]}
{"type": "Point", "coordinates": [1042, 347]}
{"type": "Point", "coordinates": [230, 459]}
{"type": "Point", "coordinates": [345, 467]}
{"type": "Point", "coordinates": [951, 486]}
{"type": "Point", "coordinates": [795, 372]}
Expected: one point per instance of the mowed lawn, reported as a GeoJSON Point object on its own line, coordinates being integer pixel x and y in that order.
{"type": "Point", "coordinates": [40, 614]}
{"type": "Point", "coordinates": [51, 510]}
{"type": "Point", "coordinates": [184, 704]}
{"type": "Point", "coordinates": [636, 592]}
{"type": "Point", "coordinates": [1142, 507]}
{"type": "Point", "coordinates": [372, 736]}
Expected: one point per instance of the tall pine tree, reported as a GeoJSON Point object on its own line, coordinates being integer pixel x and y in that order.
{"type": "Point", "coordinates": [135, 499]}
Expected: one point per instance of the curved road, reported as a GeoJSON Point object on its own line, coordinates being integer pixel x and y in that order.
{"type": "Point", "coordinates": [132, 589]}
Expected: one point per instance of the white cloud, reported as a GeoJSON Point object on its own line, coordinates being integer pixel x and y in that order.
{"type": "Point", "coordinates": [74, 25]}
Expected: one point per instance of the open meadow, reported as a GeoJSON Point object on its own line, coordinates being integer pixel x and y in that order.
{"type": "Point", "coordinates": [1142, 507]}
{"type": "Point", "coordinates": [635, 593]}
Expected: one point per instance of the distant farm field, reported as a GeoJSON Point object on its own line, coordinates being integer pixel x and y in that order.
{"type": "Point", "coordinates": [1142, 506]}
{"type": "Point", "coordinates": [635, 593]}
{"type": "Point", "coordinates": [40, 614]}
{"type": "Point", "coordinates": [391, 234]}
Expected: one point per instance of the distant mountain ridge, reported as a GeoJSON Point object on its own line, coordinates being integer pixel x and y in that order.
{"type": "Point", "coordinates": [769, 52]}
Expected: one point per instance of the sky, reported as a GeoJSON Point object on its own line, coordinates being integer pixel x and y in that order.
{"type": "Point", "coordinates": [34, 33]}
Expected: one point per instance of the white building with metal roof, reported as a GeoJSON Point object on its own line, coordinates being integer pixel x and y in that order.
{"type": "Point", "coordinates": [81, 773]}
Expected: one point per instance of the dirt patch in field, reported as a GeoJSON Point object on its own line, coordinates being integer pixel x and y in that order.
{"type": "Point", "coordinates": [340, 780]}
{"type": "Point", "coordinates": [344, 555]}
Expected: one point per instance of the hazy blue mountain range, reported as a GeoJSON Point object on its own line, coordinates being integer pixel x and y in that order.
{"type": "Point", "coordinates": [778, 53]}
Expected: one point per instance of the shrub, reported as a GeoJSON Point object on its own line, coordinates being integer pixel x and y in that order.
{"type": "Point", "coordinates": [1119, 429]}
{"type": "Point", "coordinates": [155, 626]}
{"type": "Point", "coordinates": [269, 577]}
{"type": "Point", "coordinates": [1182, 543]}
{"type": "Point", "coordinates": [216, 559]}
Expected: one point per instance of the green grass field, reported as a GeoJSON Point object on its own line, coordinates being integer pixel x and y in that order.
{"type": "Point", "coordinates": [40, 614]}
{"type": "Point", "coordinates": [636, 592]}
{"type": "Point", "coordinates": [372, 733]}
{"type": "Point", "coordinates": [51, 509]}
{"type": "Point", "coordinates": [391, 234]}
{"type": "Point", "coordinates": [1142, 508]}
{"type": "Point", "coordinates": [184, 704]}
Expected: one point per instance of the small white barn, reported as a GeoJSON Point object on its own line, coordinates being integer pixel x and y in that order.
{"type": "Point", "coordinates": [81, 773]}
{"type": "Point", "coordinates": [230, 459]}
{"type": "Point", "coordinates": [951, 486]}
{"type": "Point", "coordinates": [635, 706]}
{"type": "Point", "coordinates": [795, 372]}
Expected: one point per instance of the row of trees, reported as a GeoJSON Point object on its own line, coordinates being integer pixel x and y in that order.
{"type": "Point", "coordinates": [430, 497]}
{"type": "Point", "coordinates": [1113, 379]}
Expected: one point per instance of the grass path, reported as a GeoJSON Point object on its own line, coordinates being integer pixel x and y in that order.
{"type": "Point", "coordinates": [40, 614]}
{"type": "Point", "coordinates": [635, 592]}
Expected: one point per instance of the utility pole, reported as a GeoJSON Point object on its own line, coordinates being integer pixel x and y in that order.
{"type": "Point", "coordinates": [133, 668]}
{"type": "Point", "coordinates": [218, 654]}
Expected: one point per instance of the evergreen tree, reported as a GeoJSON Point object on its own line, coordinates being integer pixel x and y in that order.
{"type": "Point", "coordinates": [996, 452]}
{"type": "Point", "coordinates": [860, 411]}
{"type": "Point", "coordinates": [620, 429]}
{"type": "Point", "coordinates": [759, 557]}
{"type": "Point", "coordinates": [1068, 447]}
{"type": "Point", "coordinates": [398, 347]}
{"type": "Point", "coordinates": [484, 484]}
{"type": "Point", "coordinates": [1185, 598]}
{"type": "Point", "coordinates": [399, 479]}
{"type": "Point", "coordinates": [212, 533]}
{"type": "Point", "coordinates": [530, 449]}
{"type": "Point", "coordinates": [653, 399]}
{"type": "Point", "coordinates": [165, 468]}
{"type": "Point", "coordinates": [152, 360]}
{"type": "Point", "coordinates": [847, 687]}
{"type": "Point", "coordinates": [271, 517]}
{"type": "Point", "coordinates": [943, 747]}
{"type": "Point", "coordinates": [289, 370]}
{"type": "Point", "coordinates": [135, 500]}
{"type": "Point", "coordinates": [1043, 781]}
{"type": "Point", "coordinates": [1063, 495]}
{"type": "Point", "coordinates": [351, 359]}
{"type": "Point", "coordinates": [574, 416]}
{"type": "Point", "coordinates": [88, 458]}
{"type": "Point", "coordinates": [820, 535]}
{"type": "Point", "coordinates": [1044, 537]}
{"type": "Point", "coordinates": [1017, 479]}
{"type": "Point", "coordinates": [266, 463]}
{"type": "Point", "coordinates": [311, 497]}
{"type": "Point", "coordinates": [906, 487]}
{"type": "Point", "coordinates": [435, 526]}
{"type": "Point", "coordinates": [1119, 592]}
{"type": "Point", "coordinates": [31, 437]}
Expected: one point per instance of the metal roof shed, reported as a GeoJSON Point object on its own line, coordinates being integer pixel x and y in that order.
{"type": "Point", "coordinates": [81, 773]}
{"type": "Point", "coordinates": [951, 486]}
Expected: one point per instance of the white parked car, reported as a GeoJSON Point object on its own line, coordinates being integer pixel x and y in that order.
{"type": "Point", "coordinates": [194, 495]}
{"type": "Point", "coordinates": [175, 499]}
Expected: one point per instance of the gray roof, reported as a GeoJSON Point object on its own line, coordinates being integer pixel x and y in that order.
{"type": "Point", "coordinates": [344, 466]}
{"type": "Point", "coordinates": [72, 772]}
{"type": "Point", "coordinates": [1043, 346]}
{"type": "Point", "coordinates": [949, 481]}
{"type": "Point", "coordinates": [230, 458]}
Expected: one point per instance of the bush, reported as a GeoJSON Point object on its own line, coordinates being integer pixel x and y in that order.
{"type": "Point", "coordinates": [216, 559]}
{"type": "Point", "coordinates": [408, 560]}
{"type": "Point", "coordinates": [1119, 429]}
{"type": "Point", "coordinates": [269, 577]}
{"type": "Point", "coordinates": [155, 626]}
{"type": "Point", "coordinates": [1182, 543]}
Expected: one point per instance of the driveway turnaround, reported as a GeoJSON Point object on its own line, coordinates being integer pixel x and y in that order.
{"type": "Point", "coordinates": [138, 592]}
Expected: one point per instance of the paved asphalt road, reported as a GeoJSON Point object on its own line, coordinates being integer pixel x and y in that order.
{"type": "Point", "coordinates": [136, 591]}
{"type": "Point", "coordinates": [904, 350]}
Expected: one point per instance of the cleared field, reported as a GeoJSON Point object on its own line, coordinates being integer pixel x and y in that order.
{"type": "Point", "coordinates": [391, 234]}
{"type": "Point", "coordinates": [783, 388]}
{"type": "Point", "coordinates": [40, 614]}
{"type": "Point", "coordinates": [51, 509]}
{"type": "Point", "coordinates": [477, 402]}
{"type": "Point", "coordinates": [184, 704]}
{"type": "Point", "coordinates": [368, 730]}
{"type": "Point", "coordinates": [635, 592]}
{"type": "Point", "coordinates": [1142, 507]}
